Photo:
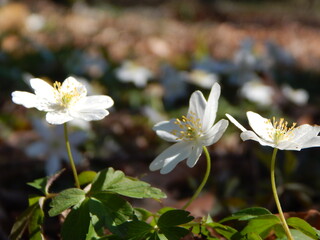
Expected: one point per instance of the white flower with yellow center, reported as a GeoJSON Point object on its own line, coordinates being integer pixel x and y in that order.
{"type": "Point", "coordinates": [278, 134]}
{"type": "Point", "coordinates": [64, 102]}
{"type": "Point", "coordinates": [191, 132]}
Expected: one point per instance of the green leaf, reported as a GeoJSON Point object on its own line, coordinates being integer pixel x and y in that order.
{"type": "Point", "coordinates": [262, 225]}
{"type": "Point", "coordinates": [142, 214]}
{"type": "Point", "coordinates": [76, 225]}
{"type": "Point", "coordinates": [135, 230]}
{"type": "Point", "coordinates": [86, 177]}
{"type": "Point", "coordinates": [303, 227]}
{"type": "Point", "coordinates": [169, 221]}
{"type": "Point", "coordinates": [43, 184]}
{"type": "Point", "coordinates": [22, 222]}
{"type": "Point", "coordinates": [297, 235]}
{"type": "Point", "coordinates": [65, 200]}
{"type": "Point", "coordinates": [40, 184]}
{"type": "Point", "coordinates": [35, 224]}
{"type": "Point", "coordinates": [247, 214]}
{"type": "Point", "coordinates": [253, 236]}
{"type": "Point", "coordinates": [174, 218]}
{"type": "Point", "coordinates": [225, 231]}
{"type": "Point", "coordinates": [110, 211]}
{"type": "Point", "coordinates": [116, 182]}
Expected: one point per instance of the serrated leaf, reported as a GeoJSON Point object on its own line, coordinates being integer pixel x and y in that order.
{"type": "Point", "coordinates": [76, 225]}
{"type": "Point", "coordinates": [110, 211]}
{"type": "Point", "coordinates": [116, 182]}
{"type": "Point", "coordinates": [65, 200]}
{"type": "Point", "coordinates": [225, 231]}
{"type": "Point", "coordinates": [262, 225]}
{"type": "Point", "coordinates": [35, 224]}
{"type": "Point", "coordinates": [247, 214]}
{"type": "Point", "coordinates": [43, 184]}
{"type": "Point", "coordinates": [174, 218]}
{"type": "Point", "coordinates": [86, 177]}
{"type": "Point", "coordinates": [303, 227]}
{"type": "Point", "coordinates": [22, 223]}
{"type": "Point", "coordinates": [135, 230]}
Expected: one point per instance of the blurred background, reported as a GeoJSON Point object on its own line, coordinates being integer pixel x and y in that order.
{"type": "Point", "coordinates": [149, 56]}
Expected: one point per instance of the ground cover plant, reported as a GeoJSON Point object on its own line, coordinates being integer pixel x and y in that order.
{"type": "Point", "coordinates": [93, 132]}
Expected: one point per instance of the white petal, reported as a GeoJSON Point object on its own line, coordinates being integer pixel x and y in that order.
{"type": "Point", "coordinates": [215, 133]}
{"type": "Point", "coordinates": [250, 135]}
{"type": "Point", "coordinates": [235, 122]}
{"type": "Point", "coordinates": [164, 130]}
{"type": "Point", "coordinates": [197, 105]}
{"type": "Point", "coordinates": [71, 83]}
{"type": "Point", "coordinates": [94, 102]}
{"type": "Point", "coordinates": [260, 125]}
{"type": "Point", "coordinates": [58, 117]}
{"type": "Point", "coordinates": [170, 157]}
{"type": "Point", "coordinates": [42, 89]}
{"type": "Point", "coordinates": [26, 99]}
{"type": "Point", "coordinates": [289, 145]}
{"type": "Point", "coordinates": [194, 156]}
{"type": "Point", "coordinates": [303, 133]}
{"type": "Point", "coordinates": [313, 142]}
{"type": "Point", "coordinates": [89, 114]}
{"type": "Point", "coordinates": [211, 109]}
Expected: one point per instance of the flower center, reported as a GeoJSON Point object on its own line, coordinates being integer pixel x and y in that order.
{"type": "Point", "coordinates": [190, 128]}
{"type": "Point", "coordinates": [280, 130]}
{"type": "Point", "coordinates": [68, 96]}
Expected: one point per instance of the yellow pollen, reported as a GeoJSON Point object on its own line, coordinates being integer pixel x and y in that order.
{"type": "Point", "coordinates": [280, 130]}
{"type": "Point", "coordinates": [190, 128]}
{"type": "Point", "coordinates": [66, 98]}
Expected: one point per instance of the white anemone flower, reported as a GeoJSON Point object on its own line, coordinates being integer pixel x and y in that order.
{"type": "Point", "coordinates": [190, 133]}
{"type": "Point", "coordinates": [202, 78]}
{"type": "Point", "coordinates": [278, 134]}
{"type": "Point", "coordinates": [64, 102]}
{"type": "Point", "coordinates": [132, 72]}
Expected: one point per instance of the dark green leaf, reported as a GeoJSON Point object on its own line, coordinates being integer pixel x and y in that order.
{"type": "Point", "coordinates": [116, 182]}
{"type": "Point", "coordinates": [22, 222]}
{"type": "Point", "coordinates": [135, 230]}
{"type": "Point", "coordinates": [142, 214]}
{"type": "Point", "coordinates": [174, 218]}
{"type": "Point", "coordinates": [35, 224]}
{"type": "Point", "coordinates": [253, 236]}
{"type": "Point", "coordinates": [174, 233]}
{"type": "Point", "coordinates": [65, 200]}
{"type": "Point", "coordinates": [247, 214]}
{"type": "Point", "coordinates": [86, 177]}
{"type": "Point", "coordinates": [110, 211]}
{"type": "Point", "coordinates": [76, 225]}
{"type": "Point", "coordinates": [225, 231]}
{"type": "Point", "coordinates": [303, 227]}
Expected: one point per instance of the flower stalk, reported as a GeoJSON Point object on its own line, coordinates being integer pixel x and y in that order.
{"type": "Point", "coordinates": [275, 195]}
{"type": "Point", "coordinates": [73, 167]}
{"type": "Point", "coordinates": [204, 181]}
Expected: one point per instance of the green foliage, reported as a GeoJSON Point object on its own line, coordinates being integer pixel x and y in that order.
{"type": "Point", "coordinates": [303, 227]}
{"type": "Point", "coordinates": [86, 177]}
{"type": "Point", "coordinates": [31, 219]}
{"type": "Point", "coordinates": [115, 181]}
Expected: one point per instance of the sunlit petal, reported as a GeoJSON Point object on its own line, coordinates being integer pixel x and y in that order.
{"type": "Point", "coordinates": [260, 125]}
{"type": "Point", "coordinates": [165, 130]}
{"type": "Point", "coordinates": [211, 109]}
{"type": "Point", "coordinates": [194, 156]}
{"type": "Point", "coordinates": [215, 133]}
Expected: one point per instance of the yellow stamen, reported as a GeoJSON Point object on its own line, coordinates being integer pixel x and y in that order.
{"type": "Point", "coordinates": [191, 128]}
{"type": "Point", "coordinates": [69, 97]}
{"type": "Point", "coordinates": [280, 130]}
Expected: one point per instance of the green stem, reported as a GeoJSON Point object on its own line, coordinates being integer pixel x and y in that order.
{"type": "Point", "coordinates": [73, 167]}
{"type": "Point", "coordinates": [275, 195]}
{"type": "Point", "coordinates": [204, 181]}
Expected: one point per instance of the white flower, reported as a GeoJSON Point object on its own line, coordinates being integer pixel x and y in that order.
{"type": "Point", "coordinates": [190, 133]}
{"type": "Point", "coordinates": [131, 72]}
{"type": "Point", "coordinates": [64, 102]}
{"type": "Point", "coordinates": [278, 134]}
{"type": "Point", "coordinates": [258, 92]}
{"type": "Point", "coordinates": [52, 148]}
{"type": "Point", "coordinates": [202, 78]}
{"type": "Point", "coordinates": [297, 96]}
